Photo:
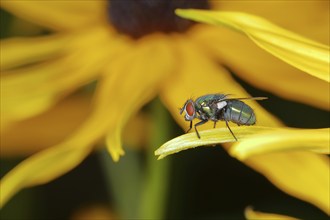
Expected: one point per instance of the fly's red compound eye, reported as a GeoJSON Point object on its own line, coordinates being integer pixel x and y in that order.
{"type": "Point", "coordinates": [190, 109]}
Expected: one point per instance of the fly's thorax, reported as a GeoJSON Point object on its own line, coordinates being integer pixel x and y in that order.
{"type": "Point", "coordinates": [239, 113]}
{"type": "Point", "coordinates": [207, 110]}
{"type": "Point", "coordinates": [204, 110]}
{"type": "Point", "coordinates": [209, 106]}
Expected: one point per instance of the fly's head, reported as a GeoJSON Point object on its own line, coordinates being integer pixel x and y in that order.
{"type": "Point", "coordinates": [189, 110]}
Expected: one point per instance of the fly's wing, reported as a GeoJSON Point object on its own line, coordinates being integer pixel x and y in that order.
{"type": "Point", "coordinates": [210, 99]}
{"type": "Point", "coordinates": [218, 100]}
{"type": "Point", "coordinates": [247, 98]}
{"type": "Point", "coordinates": [220, 97]}
{"type": "Point", "coordinates": [224, 97]}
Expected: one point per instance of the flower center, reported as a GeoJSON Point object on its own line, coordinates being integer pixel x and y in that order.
{"type": "Point", "coordinates": [141, 17]}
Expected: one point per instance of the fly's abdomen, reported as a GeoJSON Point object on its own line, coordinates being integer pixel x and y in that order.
{"type": "Point", "coordinates": [239, 113]}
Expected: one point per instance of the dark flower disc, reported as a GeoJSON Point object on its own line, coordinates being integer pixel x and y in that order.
{"type": "Point", "coordinates": [137, 18]}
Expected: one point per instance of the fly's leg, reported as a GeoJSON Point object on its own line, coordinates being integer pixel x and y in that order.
{"type": "Point", "coordinates": [190, 127]}
{"type": "Point", "coordinates": [214, 125]}
{"type": "Point", "coordinates": [230, 130]}
{"type": "Point", "coordinates": [200, 123]}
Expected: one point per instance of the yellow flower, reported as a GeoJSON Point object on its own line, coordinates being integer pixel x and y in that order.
{"type": "Point", "coordinates": [250, 214]}
{"type": "Point", "coordinates": [85, 46]}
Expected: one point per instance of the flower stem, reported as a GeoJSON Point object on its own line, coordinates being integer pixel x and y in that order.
{"type": "Point", "coordinates": [123, 180]}
{"type": "Point", "coordinates": [139, 192]}
{"type": "Point", "coordinates": [153, 197]}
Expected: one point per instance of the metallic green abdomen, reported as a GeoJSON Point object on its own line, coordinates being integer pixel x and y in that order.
{"type": "Point", "coordinates": [239, 113]}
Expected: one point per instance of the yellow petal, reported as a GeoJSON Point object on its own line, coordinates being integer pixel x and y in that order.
{"type": "Point", "coordinates": [44, 166]}
{"type": "Point", "coordinates": [114, 144]}
{"type": "Point", "coordinates": [315, 140]}
{"type": "Point", "coordinates": [23, 106]}
{"type": "Point", "coordinates": [261, 69]}
{"type": "Point", "coordinates": [208, 138]}
{"type": "Point", "coordinates": [139, 84]}
{"type": "Point", "coordinates": [302, 53]}
{"type": "Point", "coordinates": [30, 90]}
{"type": "Point", "coordinates": [198, 75]}
{"type": "Point", "coordinates": [309, 18]}
{"type": "Point", "coordinates": [59, 15]}
{"type": "Point", "coordinates": [60, 122]}
{"type": "Point", "coordinates": [137, 131]}
{"type": "Point", "coordinates": [20, 51]}
{"type": "Point", "coordinates": [301, 174]}
{"type": "Point", "coordinates": [41, 168]}
{"type": "Point", "coordinates": [250, 214]}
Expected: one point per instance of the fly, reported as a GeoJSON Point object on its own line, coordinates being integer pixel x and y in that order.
{"type": "Point", "coordinates": [218, 107]}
